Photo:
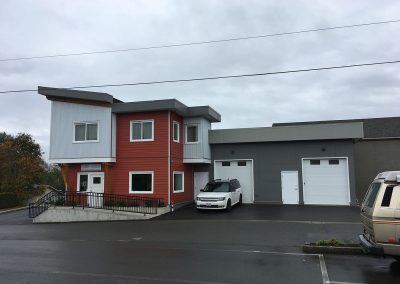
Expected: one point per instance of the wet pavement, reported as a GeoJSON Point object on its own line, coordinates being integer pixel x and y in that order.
{"type": "Point", "coordinates": [185, 247]}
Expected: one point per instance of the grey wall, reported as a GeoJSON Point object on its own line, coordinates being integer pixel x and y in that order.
{"type": "Point", "coordinates": [373, 157]}
{"type": "Point", "coordinates": [202, 149]}
{"type": "Point", "coordinates": [63, 117]}
{"type": "Point", "coordinates": [273, 157]}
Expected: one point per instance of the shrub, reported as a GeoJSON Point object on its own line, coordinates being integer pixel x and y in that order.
{"type": "Point", "coordinates": [8, 200]}
{"type": "Point", "coordinates": [331, 242]}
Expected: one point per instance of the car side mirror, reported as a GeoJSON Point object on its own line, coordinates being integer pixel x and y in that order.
{"type": "Point", "coordinates": [202, 190]}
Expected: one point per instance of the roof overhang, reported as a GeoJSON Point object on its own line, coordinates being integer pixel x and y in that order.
{"type": "Point", "coordinates": [76, 96]}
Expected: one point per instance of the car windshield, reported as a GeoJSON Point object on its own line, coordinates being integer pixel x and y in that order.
{"type": "Point", "coordinates": [217, 187]}
{"type": "Point", "coordinates": [370, 197]}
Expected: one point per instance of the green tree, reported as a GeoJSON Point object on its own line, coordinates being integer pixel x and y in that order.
{"type": "Point", "coordinates": [21, 165]}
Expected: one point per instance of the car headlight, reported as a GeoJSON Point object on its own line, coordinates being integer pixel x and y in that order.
{"type": "Point", "coordinates": [221, 199]}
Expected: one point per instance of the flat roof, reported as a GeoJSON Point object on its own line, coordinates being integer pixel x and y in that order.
{"type": "Point", "coordinates": [126, 107]}
{"type": "Point", "coordinates": [352, 130]}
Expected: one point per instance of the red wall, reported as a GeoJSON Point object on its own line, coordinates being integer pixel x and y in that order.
{"type": "Point", "coordinates": [145, 156]}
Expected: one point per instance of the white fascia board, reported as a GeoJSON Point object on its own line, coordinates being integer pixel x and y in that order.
{"type": "Point", "coordinates": [82, 160]}
{"type": "Point", "coordinates": [194, 161]}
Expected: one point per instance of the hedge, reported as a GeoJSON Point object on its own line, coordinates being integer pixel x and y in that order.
{"type": "Point", "coordinates": [8, 200]}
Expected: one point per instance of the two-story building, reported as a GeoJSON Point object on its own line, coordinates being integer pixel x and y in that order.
{"type": "Point", "coordinates": [167, 150]}
{"type": "Point", "coordinates": [148, 149]}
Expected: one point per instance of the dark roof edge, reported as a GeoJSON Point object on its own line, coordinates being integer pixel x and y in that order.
{"type": "Point", "coordinates": [278, 124]}
{"type": "Point", "coordinates": [75, 94]}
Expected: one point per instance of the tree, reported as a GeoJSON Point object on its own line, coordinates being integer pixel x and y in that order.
{"type": "Point", "coordinates": [21, 165]}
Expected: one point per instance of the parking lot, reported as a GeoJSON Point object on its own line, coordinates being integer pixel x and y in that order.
{"type": "Point", "coordinates": [190, 247]}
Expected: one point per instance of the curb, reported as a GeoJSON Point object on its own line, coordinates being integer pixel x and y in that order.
{"type": "Point", "coordinates": [12, 210]}
{"type": "Point", "coordinates": [345, 250]}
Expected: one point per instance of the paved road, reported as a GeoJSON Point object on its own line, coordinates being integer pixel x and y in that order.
{"type": "Point", "coordinates": [174, 249]}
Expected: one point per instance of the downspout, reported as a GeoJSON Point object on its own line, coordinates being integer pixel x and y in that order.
{"type": "Point", "coordinates": [169, 161]}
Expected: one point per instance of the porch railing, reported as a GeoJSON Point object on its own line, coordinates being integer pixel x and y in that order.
{"type": "Point", "coordinates": [114, 202]}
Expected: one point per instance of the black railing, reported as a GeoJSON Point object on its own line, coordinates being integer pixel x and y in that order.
{"type": "Point", "coordinates": [114, 202]}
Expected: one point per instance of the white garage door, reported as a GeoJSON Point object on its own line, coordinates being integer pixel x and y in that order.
{"type": "Point", "coordinates": [325, 181]}
{"type": "Point", "coordinates": [240, 169]}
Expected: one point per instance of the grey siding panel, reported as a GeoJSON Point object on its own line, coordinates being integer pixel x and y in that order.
{"type": "Point", "coordinates": [273, 157]}
{"type": "Point", "coordinates": [63, 116]}
{"type": "Point", "coordinates": [288, 133]}
{"type": "Point", "coordinates": [373, 157]}
{"type": "Point", "coordinates": [200, 150]}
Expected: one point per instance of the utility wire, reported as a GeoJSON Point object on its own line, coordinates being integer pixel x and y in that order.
{"type": "Point", "coordinates": [217, 77]}
{"type": "Point", "coordinates": [200, 42]}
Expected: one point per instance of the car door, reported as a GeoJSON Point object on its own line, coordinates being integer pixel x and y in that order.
{"type": "Point", "coordinates": [234, 192]}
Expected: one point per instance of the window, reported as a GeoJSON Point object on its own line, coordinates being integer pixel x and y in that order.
{"type": "Point", "coordinates": [315, 162]}
{"type": "Point", "coordinates": [179, 182]}
{"type": "Point", "coordinates": [86, 132]}
{"type": "Point", "coordinates": [234, 184]}
{"type": "Point", "coordinates": [141, 182]}
{"type": "Point", "coordinates": [373, 190]}
{"type": "Point", "coordinates": [242, 163]}
{"type": "Point", "coordinates": [176, 132]}
{"type": "Point", "coordinates": [142, 130]}
{"type": "Point", "coordinates": [333, 162]}
{"type": "Point", "coordinates": [387, 197]}
{"type": "Point", "coordinates": [83, 182]}
{"type": "Point", "coordinates": [226, 164]}
{"type": "Point", "coordinates": [192, 135]}
{"type": "Point", "coordinates": [97, 180]}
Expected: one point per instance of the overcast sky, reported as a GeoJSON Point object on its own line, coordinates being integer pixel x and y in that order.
{"type": "Point", "coordinates": [33, 28]}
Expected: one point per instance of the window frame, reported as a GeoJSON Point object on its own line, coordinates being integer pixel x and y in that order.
{"type": "Point", "coordinates": [85, 123]}
{"type": "Point", "coordinates": [130, 191]}
{"type": "Point", "coordinates": [183, 182]}
{"type": "Point", "coordinates": [186, 133]}
{"type": "Point", "coordinates": [173, 131]}
{"type": "Point", "coordinates": [141, 121]}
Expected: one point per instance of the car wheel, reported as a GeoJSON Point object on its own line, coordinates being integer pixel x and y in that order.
{"type": "Point", "coordinates": [228, 205]}
{"type": "Point", "coordinates": [240, 200]}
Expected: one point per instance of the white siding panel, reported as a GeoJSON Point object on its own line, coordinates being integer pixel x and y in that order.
{"type": "Point", "coordinates": [63, 117]}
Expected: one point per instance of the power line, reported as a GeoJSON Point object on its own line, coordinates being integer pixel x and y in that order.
{"type": "Point", "coordinates": [217, 77]}
{"type": "Point", "coordinates": [200, 42]}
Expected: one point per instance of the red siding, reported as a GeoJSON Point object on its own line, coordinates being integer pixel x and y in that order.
{"type": "Point", "coordinates": [145, 156]}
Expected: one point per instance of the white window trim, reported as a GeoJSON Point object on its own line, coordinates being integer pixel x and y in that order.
{"type": "Point", "coordinates": [141, 134]}
{"type": "Point", "coordinates": [183, 181]}
{"type": "Point", "coordinates": [173, 131]}
{"type": "Point", "coordinates": [141, 172]}
{"type": "Point", "coordinates": [86, 123]}
{"type": "Point", "coordinates": [198, 134]}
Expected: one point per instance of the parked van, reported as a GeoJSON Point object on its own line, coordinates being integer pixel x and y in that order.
{"type": "Point", "coordinates": [380, 215]}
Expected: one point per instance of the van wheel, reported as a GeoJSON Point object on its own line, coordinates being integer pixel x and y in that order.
{"type": "Point", "coordinates": [228, 205]}
{"type": "Point", "coordinates": [240, 200]}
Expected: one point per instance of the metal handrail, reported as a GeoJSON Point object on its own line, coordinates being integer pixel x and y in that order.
{"type": "Point", "coordinates": [114, 202]}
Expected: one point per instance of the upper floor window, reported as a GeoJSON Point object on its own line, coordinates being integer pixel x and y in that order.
{"type": "Point", "coordinates": [86, 132]}
{"type": "Point", "coordinates": [176, 132]}
{"type": "Point", "coordinates": [142, 130]}
{"type": "Point", "coordinates": [192, 133]}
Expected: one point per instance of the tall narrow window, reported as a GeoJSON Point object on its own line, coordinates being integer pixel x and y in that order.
{"type": "Point", "coordinates": [192, 135]}
{"type": "Point", "coordinates": [176, 132]}
{"type": "Point", "coordinates": [83, 182]}
{"type": "Point", "coordinates": [86, 132]}
{"type": "Point", "coordinates": [178, 182]}
{"type": "Point", "coordinates": [142, 130]}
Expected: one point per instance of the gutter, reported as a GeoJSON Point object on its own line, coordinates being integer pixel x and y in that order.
{"type": "Point", "coordinates": [169, 160]}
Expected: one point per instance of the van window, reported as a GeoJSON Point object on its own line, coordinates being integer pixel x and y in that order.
{"type": "Point", "coordinates": [373, 190]}
{"type": "Point", "coordinates": [387, 196]}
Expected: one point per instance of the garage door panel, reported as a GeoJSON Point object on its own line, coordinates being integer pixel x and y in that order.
{"type": "Point", "coordinates": [240, 169]}
{"type": "Point", "coordinates": [326, 183]}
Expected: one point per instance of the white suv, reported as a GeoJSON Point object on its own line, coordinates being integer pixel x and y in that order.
{"type": "Point", "coordinates": [220, 194]}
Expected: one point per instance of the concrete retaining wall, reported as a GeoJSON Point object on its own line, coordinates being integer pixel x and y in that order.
{"type": "Point", "coordinates": [78, 214]}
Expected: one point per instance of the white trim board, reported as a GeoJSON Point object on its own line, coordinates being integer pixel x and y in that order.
{"type": "Point", "coordinates": [82, 160]}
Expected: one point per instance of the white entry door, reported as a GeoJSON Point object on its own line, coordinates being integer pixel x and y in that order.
{"type": "Point", "coordinates": [290, 187]}
{"type": "Point", "coordinates": [241, 170]}
{"type": "Point", "coordinates": [92, 182]}
{"type": "Point", "coordinates": [200, 179]}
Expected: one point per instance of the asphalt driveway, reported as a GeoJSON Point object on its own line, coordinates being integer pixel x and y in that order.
{"type": "Point", "coordinates": [187, 247]}
{"type": "Point", "coordinates": [344, 214]}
